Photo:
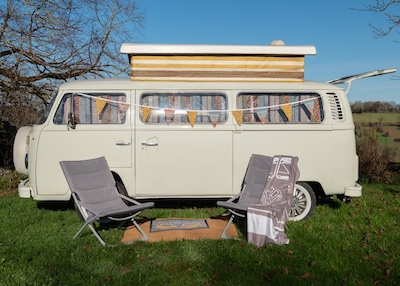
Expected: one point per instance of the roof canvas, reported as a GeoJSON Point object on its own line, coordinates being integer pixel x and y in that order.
{"type": "Point", "coordinates": [275, 62]}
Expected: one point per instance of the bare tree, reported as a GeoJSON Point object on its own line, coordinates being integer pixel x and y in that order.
{"type": "Point", "coordinates": [46, 42]}
{"type": "Point", "coordinates": [390, 9]}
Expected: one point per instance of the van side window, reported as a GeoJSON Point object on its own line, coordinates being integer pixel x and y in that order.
{"type": "Point", "coordinates": [92, 108]}
{"type": "Point", "coordinates": [280, 107]}
{"type": "Point", "coordinates": [173, 107]}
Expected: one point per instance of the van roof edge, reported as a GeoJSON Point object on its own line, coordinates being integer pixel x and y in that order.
{"type": "Point", "coordinates": [176, 49]}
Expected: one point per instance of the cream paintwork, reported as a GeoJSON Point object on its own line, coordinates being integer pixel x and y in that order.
{"type": "Point", "coordinates": [202, 161]}
{"type": "Point", "coordinates": [53, 143]}
{"type": "Point", "coordinates": [185, 162]}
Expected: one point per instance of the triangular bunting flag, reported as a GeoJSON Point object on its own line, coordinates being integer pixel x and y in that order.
{"type": "Point", "coordinates": [306, 111]}
{"type": "Point", "coordinates": [287, 109]}
{"type": "Point", "coordinates": [100, 103]}
{"type": "Point", "coordinates": [192, 117]}
{"type": "Point", "coordinates": [123, 107]}
{"type": "Point", "coordinates": [262, 115]}
{"type": "Point", "coordinates": [145, 113]}
{"type": "Point", "coordinates": [169, 115]}
{"type": "Point", "coordinates": [238, 115]}
{"type": "Point", "coordinates": [214, 117]}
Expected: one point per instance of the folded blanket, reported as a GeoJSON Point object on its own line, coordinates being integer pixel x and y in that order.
{"type": "Point", "coordinates": [266, 220]}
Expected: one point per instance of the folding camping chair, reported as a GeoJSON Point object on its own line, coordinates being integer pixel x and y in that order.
{"type": "Point", "coordinates": [95, 194]}
{"type": "Point", "coordinates": [267, 192]}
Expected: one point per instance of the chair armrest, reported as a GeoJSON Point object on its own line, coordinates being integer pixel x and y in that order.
{"type": "Point", "coordinates": [234, 198]}
{"type": "Point", "coordinates": [129, 199]}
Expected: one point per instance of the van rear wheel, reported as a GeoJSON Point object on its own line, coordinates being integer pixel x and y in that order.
{"type": "Point", "coordinates": [303, 203]}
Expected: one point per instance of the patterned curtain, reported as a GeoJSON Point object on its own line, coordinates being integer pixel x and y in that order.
{"type": "Point", "coordinates": [86, 111]}
{"type": "Point", "coordinates": [179, 103]}
{"type": "Point", "coordinates": [280, 107]}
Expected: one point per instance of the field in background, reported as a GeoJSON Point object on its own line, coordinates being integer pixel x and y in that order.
{"type": "Point", "coordinates": [387, 118]}
{"type": "Point", "coordinates": [386, 124]}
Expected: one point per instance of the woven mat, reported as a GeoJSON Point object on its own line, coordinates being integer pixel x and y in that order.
{"type": "Point", "coordinates": [214, 230]}
{"type": "Point", "coordinates": [174, 224]}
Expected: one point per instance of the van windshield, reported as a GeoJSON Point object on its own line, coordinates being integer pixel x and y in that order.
{"type": "Point", "coordinates": [46, 111]}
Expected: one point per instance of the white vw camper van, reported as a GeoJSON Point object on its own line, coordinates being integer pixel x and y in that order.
{"type": "Point", "coordinates": [187, 121]}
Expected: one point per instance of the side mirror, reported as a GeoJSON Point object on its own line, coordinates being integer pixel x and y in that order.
{"type": "Point", "coordinates": [71, 121]}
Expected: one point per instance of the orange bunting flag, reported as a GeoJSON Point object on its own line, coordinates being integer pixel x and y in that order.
{"type": "Point", "coordinates": [214, 116]}
{"type": "Point", "coordinates": [169, 115]}
{"type": "Point", "coordinates": [262, 115]}
{"type": "Point", "coordinates": [123, 107]}
{"type": "Point", "coordinates": [145, 113]}
{"type": "Point", "coordinates": [238, 115]}
{"type": "Point", "coordinates": [287, 109]}
{"type": "Point", "coordinates": [100, 103]}
{"type": "Point", "coordinates": [192, 117]}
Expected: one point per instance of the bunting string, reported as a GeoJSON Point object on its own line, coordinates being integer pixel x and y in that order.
{"type": "Point", "coordinates": [283, 106]}
{"type": "Point", "coordinates": [285, 110]}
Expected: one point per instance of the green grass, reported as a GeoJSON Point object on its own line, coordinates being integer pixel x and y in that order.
{"type": "Point", "coordinates": [353, 244]}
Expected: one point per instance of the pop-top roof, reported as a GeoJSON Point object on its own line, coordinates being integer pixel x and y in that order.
{"type": "Point", "coordinates": [275, 62]}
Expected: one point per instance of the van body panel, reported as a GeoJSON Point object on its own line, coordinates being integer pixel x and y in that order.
{"type": "Point", "coordinates": [57, 142]}
{"type": "Point", "coordinates": [183, 163]}
{"type": "Point", "coordinates": [178, 160]}
{"type": "Point", "coordinates": [85, 142]}
{"type": "Point", "coordinates": [313, 163]}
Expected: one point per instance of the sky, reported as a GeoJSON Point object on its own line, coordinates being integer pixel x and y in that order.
{"type": "Point", "coordinates": [341, 33]}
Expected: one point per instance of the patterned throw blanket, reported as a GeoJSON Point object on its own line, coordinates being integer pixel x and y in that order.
{"type": "Point", "coordinates": [266, 220]}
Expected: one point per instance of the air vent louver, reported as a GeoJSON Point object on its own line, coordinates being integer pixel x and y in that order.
{"type": "Point", "coordinates": [336, 107]}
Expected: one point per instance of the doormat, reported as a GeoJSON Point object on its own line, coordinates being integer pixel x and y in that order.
{"type": "Point", "coordinates": [214, 230]}
{"type": "Point", "coordinates": [175, 224]}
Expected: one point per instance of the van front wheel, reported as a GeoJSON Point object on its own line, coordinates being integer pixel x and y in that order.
{"type": "Point", "coordinates": [122, 190]}
{"type": "Point", "coordinates": [303, 203]}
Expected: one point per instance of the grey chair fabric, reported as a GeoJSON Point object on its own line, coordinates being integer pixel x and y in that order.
{"type": "Point", "coordinates": [252, 187]}
{"type": "Point", "coordinates": [94, 191]}
{"type": "Point", "coordinates": [262, 188]}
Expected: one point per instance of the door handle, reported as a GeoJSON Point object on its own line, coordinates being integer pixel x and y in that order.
{"type": "Point", "coordinates": [149, 144]}
{"type": "Point", "coordinates": [123, 143]}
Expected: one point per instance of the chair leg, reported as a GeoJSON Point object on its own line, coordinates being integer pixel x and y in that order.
{"type": "Point", "coordinates": [93, 230]}
{"type": "Point", "coordinates": [224, 235]}
{"type": "Point", "coordinates": [80, 230]}
{"type": "Point", "coordinates": [97, 235]}
{"type": "Point", "coordinates": [144, 235]}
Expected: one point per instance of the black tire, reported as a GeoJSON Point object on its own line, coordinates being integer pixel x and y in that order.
{"type": "Point", "coordinates": [304, 202]}
{"type": "Point", "coordinates": [122, 190]}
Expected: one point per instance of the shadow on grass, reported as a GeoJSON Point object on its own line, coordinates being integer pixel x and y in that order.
{"type": "Point", "coordinates": [184, 203]}
{"type": "Point", "coordinates": [329, 202]}
{"type": "Point", "coordinates": [56, 205]}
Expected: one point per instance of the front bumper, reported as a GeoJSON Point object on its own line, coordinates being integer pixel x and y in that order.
{"type": "Point", "coordinates": [24, 190]}
{"type": "Point", "coordinates": [354, 191]}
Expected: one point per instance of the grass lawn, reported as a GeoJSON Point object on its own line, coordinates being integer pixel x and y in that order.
{"type": "Point", "coordinates": [353, 244]}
